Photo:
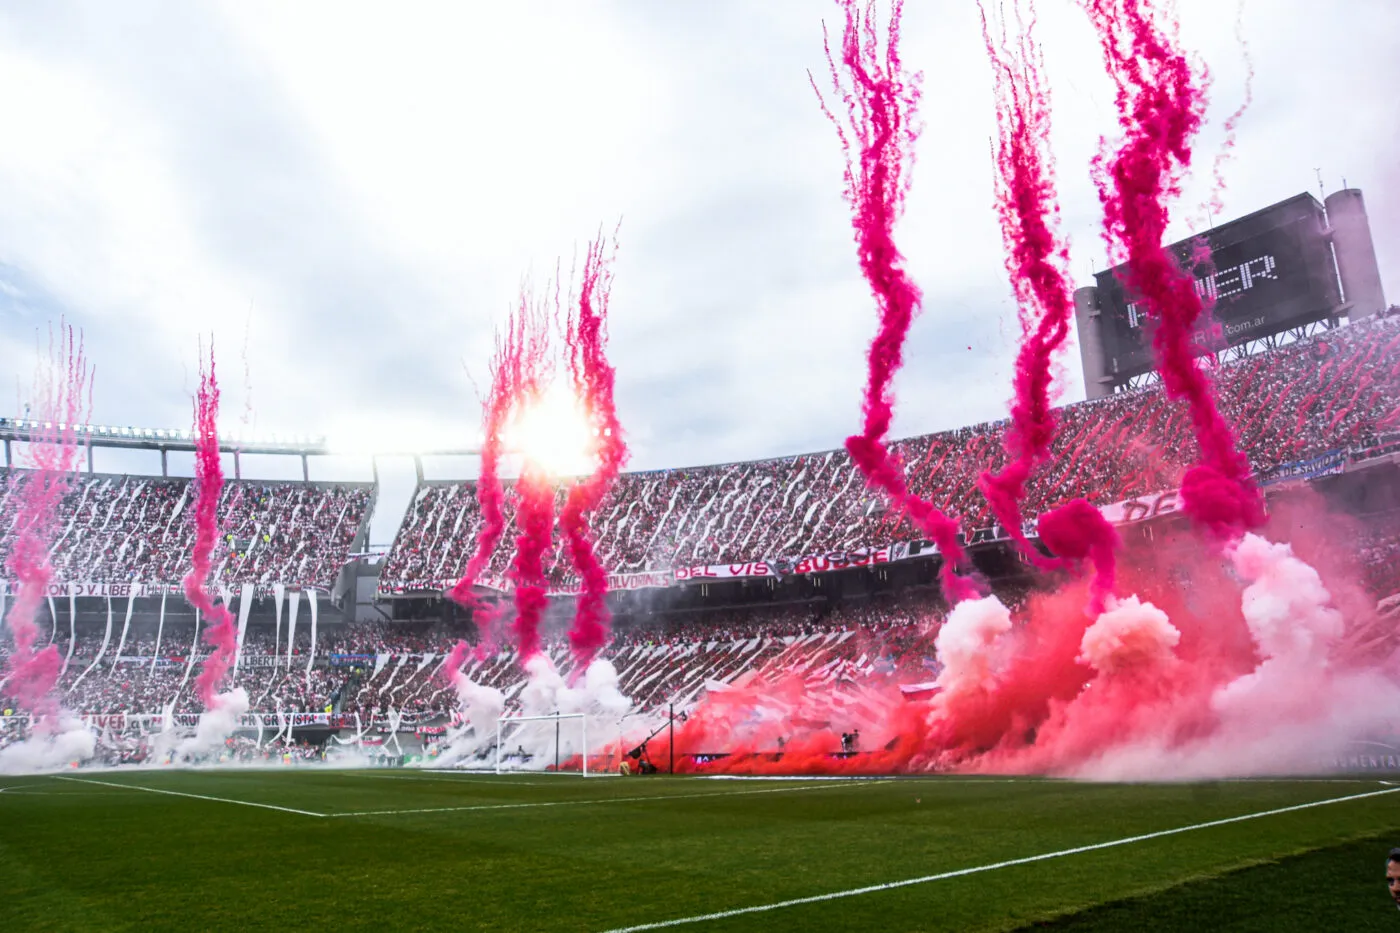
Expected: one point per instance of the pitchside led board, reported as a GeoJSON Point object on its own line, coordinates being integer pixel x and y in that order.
{"type": "Point", "coordinates": [1268, 271]}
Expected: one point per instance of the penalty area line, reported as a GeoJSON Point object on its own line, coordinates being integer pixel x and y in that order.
{"type": "Point", "coordinates": [1009, 863]}
{"type": "Point", "coordinates": [178, 793]}
{"type": "Point", "coordinates": [600, 800]}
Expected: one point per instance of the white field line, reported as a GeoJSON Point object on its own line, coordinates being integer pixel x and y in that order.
{"type": "Point", "coordinates": [942, 876]}
{"type": "Point", "coordinates": [177, 793]}
{"type": "Point", "coordinates": [600, 800]}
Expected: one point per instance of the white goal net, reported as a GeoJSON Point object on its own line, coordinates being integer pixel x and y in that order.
{"type": "Point", "coordinates": [557, 742]}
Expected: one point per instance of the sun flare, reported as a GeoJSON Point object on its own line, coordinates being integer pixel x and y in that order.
{"type": "Point", "coordinates": [553, 432]}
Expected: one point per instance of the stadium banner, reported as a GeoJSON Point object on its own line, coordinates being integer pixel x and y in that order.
{"type": "Point", "coordinates": [164, 661]}
{"type": "Point", "coordinates": [191, 720]}
{"type": "Point", "coordinates": [119, 589]}
{"type": "Point", "coordinates": [350, 660]}
{"type": "Point", "coordinates": [259, 660]}
{"type": "Point", "coordinates": [1141, 508]}
{"type": "Point", "coordinates": [1328, 464]}
{"type": "Point", "coordinates": [268, 720]}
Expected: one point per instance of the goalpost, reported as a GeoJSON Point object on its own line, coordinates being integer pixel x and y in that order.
{"type": "Point", "coordinates": [546, 737]}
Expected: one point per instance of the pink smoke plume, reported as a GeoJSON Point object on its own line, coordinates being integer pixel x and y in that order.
{"type": "Point", "coordinates": [881, 102]}
{"type": "Point", "coordinates": [490, 498]}
{"type": "Point", "coordinates": [1037, 259]}
{"type": "Point", "coordinates": [1216, 204]}
{"type": "Point", "coordinates": [520, 349]}
{"type": "Point", "coordinates": [61, 389]}
{"type": "Point", "coordinates": [209, 484]}
{"type": "Point", "coordinates": [1160, 105]}
{"type": "Point", "coordinates": [534, 520]}
{"type": "Point", "coordinates": [593, 378]}
{"type": "Point", "coordinates": [1078, 532]}
{"type": "Point", "coordinates": [529, 362]}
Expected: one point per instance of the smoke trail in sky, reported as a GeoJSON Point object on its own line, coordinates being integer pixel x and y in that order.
{"type": "Point", "coordinates": [1037, 259]}
{"type": "Point", "coordinates": [1160, 107]}
{"type": "Point", "coordinates": [534, 494]}
{"type": "Point", "coordinates": [501, 399]}
{"type": "Point", "coordinates": [209, 484]}
{"type": "Point", "coordinates": [878, 135]}
{"type": "Point", "coordinates": [593, 378]}
{"type": "Point", "coordinates": [61, 398]}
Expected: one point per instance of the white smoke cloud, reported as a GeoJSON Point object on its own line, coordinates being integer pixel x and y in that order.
{"type": "Point", "coordinates": [49, 749]}
{"type": "Point", "coordinates": [1296, 710]}
{"type": "Point", "coordinates": [216, 724]}
{"type": "Point", "coordinates": [966, 645]}
{"type": "Point", "coordinates": [481, 706]}
{"type": "Point", "coordinates": [1130, 634]}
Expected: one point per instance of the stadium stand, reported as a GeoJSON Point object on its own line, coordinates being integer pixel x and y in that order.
{"type": "Point", "coordinates": [390, 671]}
{"type": "Point", "coordinates": [1336, 391]}
{"type": "Point", "coordinates": [124, 528]}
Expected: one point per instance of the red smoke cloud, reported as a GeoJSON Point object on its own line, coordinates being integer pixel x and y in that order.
{"type": "Point", "coordinates": [593, 379]}
{"type": "Point", "coordinates": [1202, 680]}
{"type": "Point", "coordinates": [1160, 108]}
{"type": "Point", "coordinates": [209, 484]}
{"type": "Point", "coordinates": [878, 136]}
{"type": "Point", "coordinates": [59, 390]}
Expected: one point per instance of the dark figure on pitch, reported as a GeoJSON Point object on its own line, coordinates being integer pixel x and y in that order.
{"type": "Point", "coordinates": [1392, 875]}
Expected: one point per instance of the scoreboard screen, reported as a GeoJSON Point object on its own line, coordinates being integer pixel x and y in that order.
{"type": "Point", "coordinates": [1267, 272]}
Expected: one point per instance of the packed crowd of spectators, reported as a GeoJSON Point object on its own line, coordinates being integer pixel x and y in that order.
{"type": "Point", "coordinates": [1378, 552]}
{"type": "Point", "coordinates": [1339, 390]}
{"type": "Point", "coordinates": [116, 529]}
{"type": "Point", "coordinates": [398, 669]}
{"type": "Point", "coordinates": [382, 672]}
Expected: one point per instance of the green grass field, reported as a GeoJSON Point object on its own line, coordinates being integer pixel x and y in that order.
{"type": "Point", "coordinates": [404, 850]}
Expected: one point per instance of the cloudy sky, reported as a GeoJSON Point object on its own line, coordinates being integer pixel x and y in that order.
{"type": "Point", "coordinates": [346, 195]}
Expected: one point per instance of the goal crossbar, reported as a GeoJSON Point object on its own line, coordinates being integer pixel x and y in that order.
{"type": "Point", "coordinates": [555, 718]}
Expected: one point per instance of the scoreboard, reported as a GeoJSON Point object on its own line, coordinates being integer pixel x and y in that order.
{"type": "Point", "coordinates": [1258, 275]}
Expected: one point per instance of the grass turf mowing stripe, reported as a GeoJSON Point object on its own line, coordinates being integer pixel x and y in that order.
{"type": "Point", "coordinates": [177, 793]}
{"type": "Point", "coordinates": [962, 872]}
{"type": "Point", "coordinates": [601, 800]}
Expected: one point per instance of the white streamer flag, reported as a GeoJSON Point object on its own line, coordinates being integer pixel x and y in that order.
{"type": "Point", "coordinates": [311, 655]}
{"type": "Point", "coordinates": [292, 625]}
{"type": "Point", "coordinates": [245, 603]}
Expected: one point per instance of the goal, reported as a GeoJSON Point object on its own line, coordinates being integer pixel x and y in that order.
{"type": "Point", "coordinates": [557, 742]}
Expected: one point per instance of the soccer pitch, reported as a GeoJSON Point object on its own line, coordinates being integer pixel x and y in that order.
{"type": "Point", "coordinates": [392, 850]}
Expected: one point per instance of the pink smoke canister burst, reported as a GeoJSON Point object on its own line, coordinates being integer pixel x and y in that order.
{"type": "Point", "coordinates": [209, 484]}
{"type": "Point", "coordinates": [593, 378]}
{"type": "Point", "coordinates": [881, 104]}
{"type": "Point", "coordinates": [1161, 105]}
{"type": "Point", "coordinates": [60, 387]}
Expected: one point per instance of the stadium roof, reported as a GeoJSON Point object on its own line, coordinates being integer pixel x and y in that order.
{"type": "Point", "coordinates": [21, 430]}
